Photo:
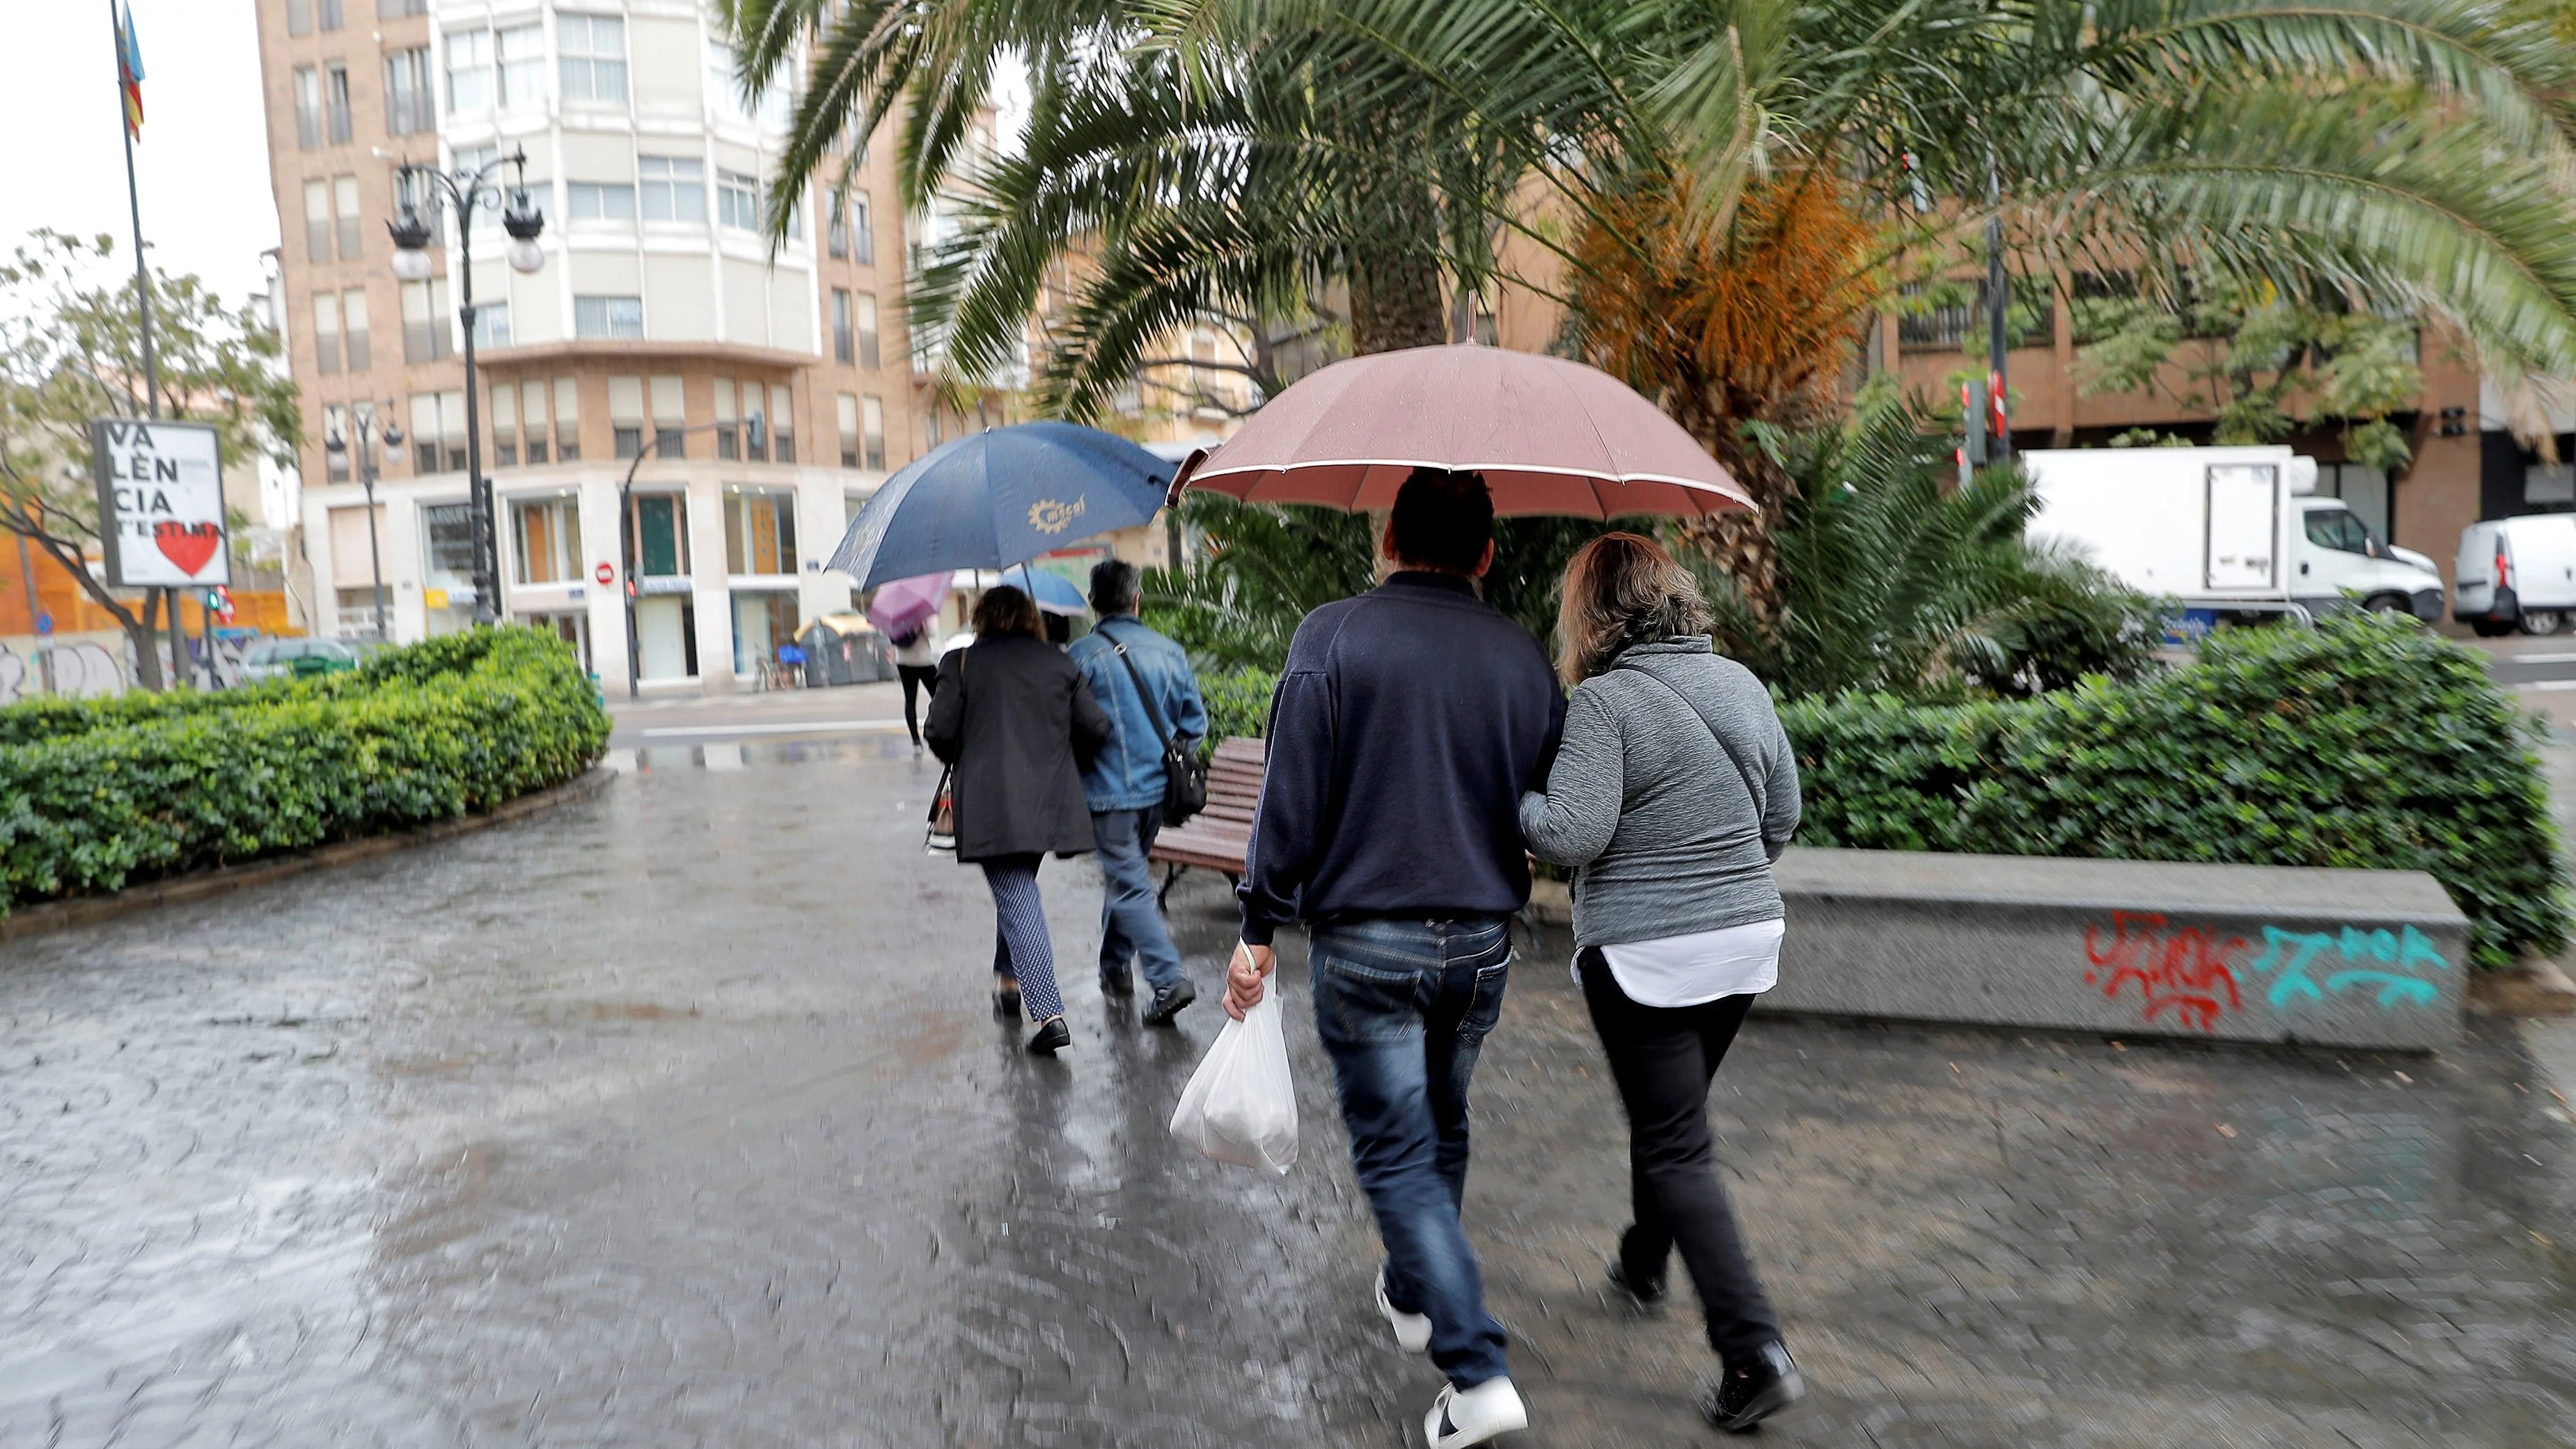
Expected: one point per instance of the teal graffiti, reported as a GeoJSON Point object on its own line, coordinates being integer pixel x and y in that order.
{"type": "Point", "coordinates": [2290, 955]}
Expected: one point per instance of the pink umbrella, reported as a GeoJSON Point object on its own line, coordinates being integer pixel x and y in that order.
{"type": "Point", "coordinates": [901, 605]}
{"type": "Point", "coordinates": [1550, 436]}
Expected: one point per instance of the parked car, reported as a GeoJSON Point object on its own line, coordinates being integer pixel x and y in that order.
{"type": "Point", "coordinates": [2516, 573]}
{"type": "Point", "coordinates": [2229, 530]}
{"type": "Point", "coordinates": [277, 658]}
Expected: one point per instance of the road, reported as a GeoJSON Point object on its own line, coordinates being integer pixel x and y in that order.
{"type": "Point", "coordinates": [676, 1117]}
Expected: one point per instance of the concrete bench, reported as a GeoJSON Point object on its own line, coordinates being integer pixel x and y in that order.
{"type": "Point", "coordinates": [1219, 837]}
{"type": "Point", "coordinates": [2359, 958]}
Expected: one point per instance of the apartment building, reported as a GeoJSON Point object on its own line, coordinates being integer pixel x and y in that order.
{"type": "Point", "coordinates": [661, 322]}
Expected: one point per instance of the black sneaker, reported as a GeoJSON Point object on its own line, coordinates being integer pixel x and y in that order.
{"type": "Point", "coordinates": [1752, 1389]}
{"type": "Point", "coordinates": [1646, 1301]}
{"type": "Point", "coordinates": [1168, 1003]}
{"type": "Point", "coordinates": [1051, 1038]}
{"type": "Point", "coordinates": [1119, 984]}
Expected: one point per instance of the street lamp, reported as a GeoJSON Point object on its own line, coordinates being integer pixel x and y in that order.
{"type": "Point", "coordinates": [411, 231]}
{"type": "Point", "coordinates": [754, 434]}
{"type": "Point", "coordinates": [365, 421]}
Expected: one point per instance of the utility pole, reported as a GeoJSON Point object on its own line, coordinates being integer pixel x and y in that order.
{"type": "Point", "coordinates": [143, 311]}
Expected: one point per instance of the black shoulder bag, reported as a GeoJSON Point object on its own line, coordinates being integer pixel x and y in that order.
{"type": "Point", "coordinates": [1184, 775]}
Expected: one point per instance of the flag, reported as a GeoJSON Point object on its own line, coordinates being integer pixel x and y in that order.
{"type": "Point", "coordinates": [129, 72]}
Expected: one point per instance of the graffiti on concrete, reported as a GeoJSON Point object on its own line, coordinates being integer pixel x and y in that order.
{"type": "Point", "coordinates": [2195, 974]}
{"type": "Point", "coordinates": [2185, 972]}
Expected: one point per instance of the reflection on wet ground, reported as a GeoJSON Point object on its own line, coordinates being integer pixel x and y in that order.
{"type": "Point", "coordinates": [677, 1117]}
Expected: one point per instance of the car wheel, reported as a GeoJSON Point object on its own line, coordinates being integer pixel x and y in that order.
{"type": "Point", "coordinates": [2388, 604]}
{"type": "Point", "coordinates": [2542, 622]}
{"type": "Point", "coordinates": [2490, 628]}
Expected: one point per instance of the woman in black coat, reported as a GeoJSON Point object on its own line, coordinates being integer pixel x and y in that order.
{"type": "Point", "coordinates": [1010, 715]}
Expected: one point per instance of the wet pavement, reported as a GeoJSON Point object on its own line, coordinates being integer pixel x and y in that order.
{"type": "Point", "coordinates": [677, 1118]}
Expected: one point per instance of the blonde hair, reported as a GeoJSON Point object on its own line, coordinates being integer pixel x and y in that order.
{"type": "Point", "coordinates": [1622, 589]}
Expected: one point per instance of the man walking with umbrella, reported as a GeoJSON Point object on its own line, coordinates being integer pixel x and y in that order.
{"type": "Point", "coordinates": [1145, 683]}
{"type": "Point", "coordinates": [1406, 725]}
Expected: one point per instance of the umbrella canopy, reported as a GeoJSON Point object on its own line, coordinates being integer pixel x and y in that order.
{"type": "Point", "coordinates": [998, 498]}
{"type": "Point", "coordinates": [1550, 436]}
{"type": "Point", "coordinates": [899, 607]}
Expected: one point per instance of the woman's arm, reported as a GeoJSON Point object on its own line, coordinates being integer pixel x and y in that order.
{"type": "Point", "coordinates": [1572, 821]}
{"type": "Point", "coordinates": [945, 730]}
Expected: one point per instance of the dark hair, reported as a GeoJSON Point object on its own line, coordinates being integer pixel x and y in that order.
{"type": "Point", "coordinates": [1006, 610]}
{"type": "Point", "coordinates": [1113, 587]}
{"type": "Point", "coordinates": [1442, 520]}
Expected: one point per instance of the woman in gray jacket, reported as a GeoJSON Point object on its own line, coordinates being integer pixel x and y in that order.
{"type": "Point", "coordinates": [1673, 794]}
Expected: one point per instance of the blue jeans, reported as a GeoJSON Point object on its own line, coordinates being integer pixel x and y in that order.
{"type": "Point", "coordinates": [1131, 924]}
{"type": "Point", "coordinates": [1403, 1007]}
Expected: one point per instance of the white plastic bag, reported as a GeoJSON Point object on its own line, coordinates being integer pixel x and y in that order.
{"type": "Point", "coordinates": [1240, 1106]}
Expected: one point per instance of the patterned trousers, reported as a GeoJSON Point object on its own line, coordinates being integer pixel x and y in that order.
{"type": "Point", "coordinates": [1020, 919]}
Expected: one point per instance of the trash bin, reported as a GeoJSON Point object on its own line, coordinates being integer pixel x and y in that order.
{"type": "Point", "coordinates": [845, 649]}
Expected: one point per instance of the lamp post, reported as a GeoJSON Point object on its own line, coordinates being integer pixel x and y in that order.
{"type": "Point", "coordinates": [754, 434]}
{"type": "Point", "coordinates": [365, 422]}
{"type": "Point", "coordinates": [412, 230]}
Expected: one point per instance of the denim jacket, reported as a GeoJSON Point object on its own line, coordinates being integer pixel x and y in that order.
{"type": "Point", "coordinates": [1127, 774]}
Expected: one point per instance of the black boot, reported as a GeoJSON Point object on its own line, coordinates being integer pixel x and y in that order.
{"type": "Point", "coordinates": [1751, 1389]}
{"type": "Point", "coordinates": [1051, 1038]}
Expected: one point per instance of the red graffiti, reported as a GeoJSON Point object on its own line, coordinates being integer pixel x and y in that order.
{"type": "Point", "coordinates": [2189, 972]}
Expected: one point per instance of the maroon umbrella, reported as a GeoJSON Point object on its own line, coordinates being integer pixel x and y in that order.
{"type": "Point", "coordinates": [1550, 436]}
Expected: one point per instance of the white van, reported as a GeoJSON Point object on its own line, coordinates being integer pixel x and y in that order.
{"type": "Point", "coordinates": [2225, 529]}
{"type": "Point", "coordinates": [2517, 572]}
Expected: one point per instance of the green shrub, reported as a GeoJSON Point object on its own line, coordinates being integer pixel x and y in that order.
{"type": "Point", "coordinates": [95, 795]}
{"type": "Point", "coordinates": [1238, 703]}
{"type": "Point", "coordinates": [2363, 743]}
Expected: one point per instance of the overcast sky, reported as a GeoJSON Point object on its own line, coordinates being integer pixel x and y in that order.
{"type": "Point", "coordinates": [203, 160]}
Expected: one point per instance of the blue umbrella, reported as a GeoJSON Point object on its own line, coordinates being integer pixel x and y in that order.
{"type": "Point", "coordinates": [999, 498]}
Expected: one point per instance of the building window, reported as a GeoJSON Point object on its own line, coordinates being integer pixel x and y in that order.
{"type": "Point", "coordinates": [567, 420]}
{"type": "Point", "coordinates": [836, 234]}
{"type": "Point", "coordinates": [762, 622]}
{"type": "Point", "coordinates": [447, 558]}
{"type": "Point", "coordinates": [335, 100]}
{"type": "Point", "coordinates": [863, 236]}
{"type": "Point", "coordinates": [867, 304]}
{"type": "Point", "coordinates": [299, 17]}
{"type": "Point", "coordinates": [626, 415]}
{"type": "Point", "coordinates": [400, 9]}
{"type": "Point", "coordinates": [491, 325]}
{"type": "Point", "coordinates": [782, 425]}
{"type": "Point", "coordinates": [353, 329]}
{"type": "Point", "coordinates": [673, 188]}
{"type": "Point", "coordinates": [520, 52]}
{"type": "Point", "coordinates": [607, 316]}
{"type": "Point", "coordinates": [437, 438]}
{"type": "Point", "coordinates": [501, 405]}
{"type": "Point", "coordinates": [845, 410]}
{"type": "Point", "coordinates": [335, 424]}
{"type": "Point", "coordinates": [670, 416]}
{"type": "Point", "coordinates": [760, 531]}
{"type": "Point", "coordinates": [738, 200]}
{"type": "Point", "coordinates": [426, 335]}
{"type": "Point", "coordinates": [546, 536]}
{"type": "Point", "coordinates": [594, 57]}
{"type": "Point", "coordinates": [844, 347]}
{"type": "Point", "coordinates": [410, 107]}
{"type": "Point", "coordinates": [326, 332]}
{"type": "Point", "coordinates": [872, 433]}
{"type": "Point", "coordinates": [469, 72]}
{"type": "Point", "coordinates": [755, 409]}
{"type": "Point", "coordinates": [599, 201]}
{"type": "Point", "coordinates": [308, 107]}
{"type": "Point", "coordinates": [317, 221]}
{"type": "Point", "coordinates": [326, 14]}
{"type": "Point", "coordinates": [344, 195]}
{"type": "Point", "coordinates": [532, 418]}
{"type": "Point", "coordinates": [661, 532]}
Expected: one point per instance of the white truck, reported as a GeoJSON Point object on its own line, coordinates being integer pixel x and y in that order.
{"type": "Point", "coordinates": [2516, 573]}
{"type": "Point", "coordinates": [2224, 531]}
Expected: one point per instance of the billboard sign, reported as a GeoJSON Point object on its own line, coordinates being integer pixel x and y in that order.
{"type": "Point", "coordinates": [160, 503]}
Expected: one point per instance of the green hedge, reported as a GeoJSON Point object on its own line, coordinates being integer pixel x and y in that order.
{"type": "Point", "coordinates": [1237, 703]}
{"type": "Point", "coordinates": [2363, 743]}
{"type": "Point", "coordinates": [97, 794]}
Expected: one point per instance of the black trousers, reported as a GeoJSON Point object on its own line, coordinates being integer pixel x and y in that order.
{"type": "Point", "coordinates": [1663, 1059]}
{"type": "Point", "coordinates": [921, 678]}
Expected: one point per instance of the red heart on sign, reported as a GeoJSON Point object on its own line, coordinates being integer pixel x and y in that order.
{"type": "Point", "coordinates": [188, 545]}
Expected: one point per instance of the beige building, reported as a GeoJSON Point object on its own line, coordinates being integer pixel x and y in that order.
{"type": "Point", "coordinates": [661, 315]}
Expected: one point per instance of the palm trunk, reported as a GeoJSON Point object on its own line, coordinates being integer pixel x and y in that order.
{"type": "Point", "coordinates": [1396, 303]}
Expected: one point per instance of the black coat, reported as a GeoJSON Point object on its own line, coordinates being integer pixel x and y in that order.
{"type": "Point", "coordinates": [1011, 714]}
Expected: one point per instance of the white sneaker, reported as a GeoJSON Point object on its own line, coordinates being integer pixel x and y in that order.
{"type": "Point", "coordinates": [1472, 1416]}
{"type": "Point", "coordinates": [1412, 1330]}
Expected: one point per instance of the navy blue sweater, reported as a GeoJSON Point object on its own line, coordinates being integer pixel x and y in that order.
{"type": "Point", "coordinates": [1406, 725]}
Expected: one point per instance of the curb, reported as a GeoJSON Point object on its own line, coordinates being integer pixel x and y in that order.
{"type": "Point", "coordinates": [224, 880]}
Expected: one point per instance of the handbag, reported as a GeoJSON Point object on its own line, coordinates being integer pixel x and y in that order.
{"type": "Point", "coordinates": [941, 839]}
{"type": "Point", "coordinates": [1184, 773]}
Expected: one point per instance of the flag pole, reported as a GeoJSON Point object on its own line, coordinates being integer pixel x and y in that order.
{"type": "Point", "coordinates": [142, 308]}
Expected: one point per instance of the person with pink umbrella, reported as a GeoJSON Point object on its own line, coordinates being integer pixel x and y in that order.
{"type": "Point", "coordinates": [907, 610]}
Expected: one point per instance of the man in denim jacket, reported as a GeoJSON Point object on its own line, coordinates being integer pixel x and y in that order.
{"type": "Point", "coordinates": [1124, 784]}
